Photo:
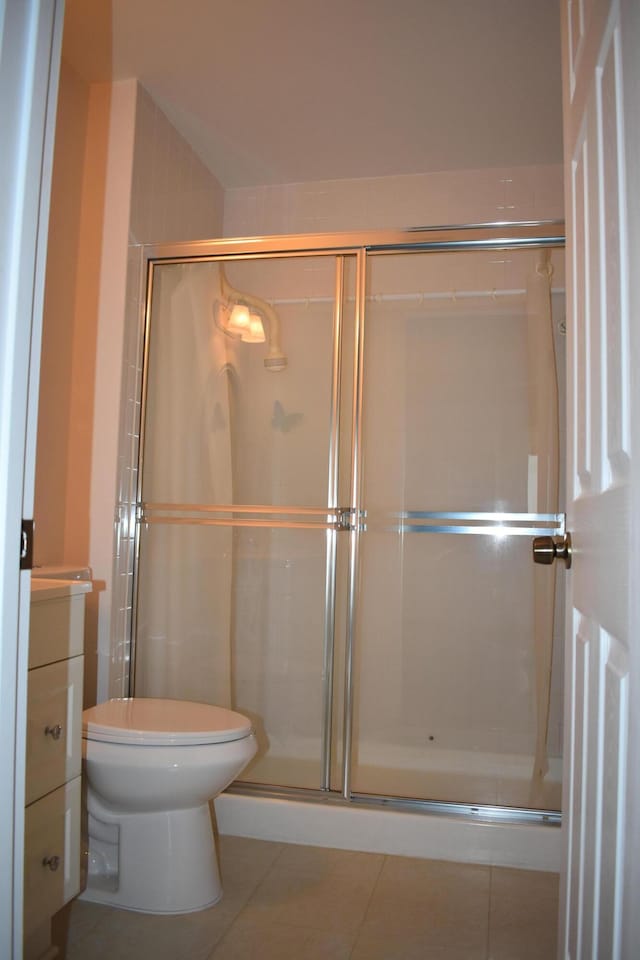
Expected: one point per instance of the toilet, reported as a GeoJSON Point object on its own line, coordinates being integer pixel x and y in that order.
{"type": "Point", "coordinates": [152, 766]}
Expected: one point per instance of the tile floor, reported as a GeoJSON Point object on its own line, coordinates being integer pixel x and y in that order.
{"type": "Point", "coordinates": [287, 902]}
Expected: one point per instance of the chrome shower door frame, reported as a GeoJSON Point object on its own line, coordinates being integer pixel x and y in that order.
{"type": "Point", "coordinates": [336, 518]}
{"type": "Point", "coordinates": [332, 518]}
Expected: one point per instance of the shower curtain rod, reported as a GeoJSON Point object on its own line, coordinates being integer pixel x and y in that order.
{"type": "Point", "coordinates": [416, 297]}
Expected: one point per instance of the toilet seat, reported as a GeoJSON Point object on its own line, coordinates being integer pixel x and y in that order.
{"type": "Point", "coordinates": [146, 720]}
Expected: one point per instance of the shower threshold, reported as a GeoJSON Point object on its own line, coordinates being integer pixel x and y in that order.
{"type": "Point", "coordinates": [523, 839]}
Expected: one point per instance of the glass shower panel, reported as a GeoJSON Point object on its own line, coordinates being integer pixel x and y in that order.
{"type": "Point", "coordinates": [278, 628]}
{"type": "Point", "coordinates": [230, 421]}
{"type": "Point", "coordinates": [236, 617]}
{"type": "Point", "coordinates": [458, 676]}
{"type": "Point", "coordinates": [184, 613]}
{"type": "Point", "coordinates": [240, 473]}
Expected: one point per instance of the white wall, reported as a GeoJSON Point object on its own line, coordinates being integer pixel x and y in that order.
{"type": "Point", "coordinates": [60, 396]}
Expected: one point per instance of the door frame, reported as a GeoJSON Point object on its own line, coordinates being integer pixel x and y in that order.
{"type": "Point", "coordinates": [30, 45]}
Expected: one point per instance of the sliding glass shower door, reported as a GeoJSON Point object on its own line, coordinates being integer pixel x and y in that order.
{"type": "Point", "coordinates": [239, 497]}
{"type": "Point", "coordinates": [458, 694]}
{"type": "Point", "coordinates": [345, 454]}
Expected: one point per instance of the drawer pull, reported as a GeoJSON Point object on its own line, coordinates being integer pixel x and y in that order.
{"type": "Point", "coordinates": [55, 732]}
{"type": "Point", "coordinates": [52, 862]}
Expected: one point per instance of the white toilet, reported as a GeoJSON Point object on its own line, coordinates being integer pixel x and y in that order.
{"type": "Point", "coordinates": [151, 768]}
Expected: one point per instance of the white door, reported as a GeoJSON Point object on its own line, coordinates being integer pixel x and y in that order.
{"type": "Point", "coordinates": [30, 37]}
{"type": "Point", "coordinates": [601, 67]}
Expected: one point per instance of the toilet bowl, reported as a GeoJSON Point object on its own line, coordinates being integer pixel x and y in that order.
{"type": "Point", "coordinates": [152, 766]}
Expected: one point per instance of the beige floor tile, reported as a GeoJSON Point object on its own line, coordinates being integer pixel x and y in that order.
{"type": "Point", "coordinates": [243, 865]}
{"type": "Point", "coordinates": [318, 899]}
{"type": "Point", "coordinates": [125, 935]}
{"type": "Point", "coordinates": [256, 938]}
{"type": "Point", "coordinates": [77, 921]}
{"type": "Point", "coordinates": [325, 861]}
{"type": "Point", "coordinates": [443, 945]}
{"type": "Point", "coordinates": [524, 914]}
{"type": "Point", "coordinates": [307, 903]}
{"type": "Point", "coordinates": [232, 849]}
{"type": "Point", "coordinates": [426, 907]}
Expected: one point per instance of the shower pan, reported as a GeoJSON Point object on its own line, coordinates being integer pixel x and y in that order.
{"type": "Point", "coordinates": [338, 544]}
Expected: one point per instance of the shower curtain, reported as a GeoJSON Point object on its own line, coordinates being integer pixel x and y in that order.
{"type": "Point", "coordinates": [185, 588]}
{"type": "Point", "coordinates": [543, 491]}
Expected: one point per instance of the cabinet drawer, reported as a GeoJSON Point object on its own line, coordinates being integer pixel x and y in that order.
{"type": "Point", "coordinates": [54, 726]}
{"type": "Point", "coordinates": [52, 830]}
{"type": "Point", "coordinates": [56, 629]}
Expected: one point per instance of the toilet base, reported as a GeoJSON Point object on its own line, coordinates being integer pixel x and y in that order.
{"type": "Point", "coordinates": [160, 862]}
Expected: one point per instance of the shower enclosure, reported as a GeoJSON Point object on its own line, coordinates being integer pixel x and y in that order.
{"type": "Point", "coordinates": [347, 444]}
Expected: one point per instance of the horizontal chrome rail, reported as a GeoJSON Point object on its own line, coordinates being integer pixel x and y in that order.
{"type": "Point", "coordinates": [502, 235]}
{"type": "Point", "coordinates": [483, 813]}
{"type": "Point", "coordinates": [493, 530]}
{"type": "Point", "coordinates": [246, 515]}
{"type": "Point", "coordinates": [477, 522]}
{"type": "Point", "coordinates": [495, 293]}
{"type": "Point", "coordinates": [150, 508]}
{"type": "Point", "coordinates": [236, 522]}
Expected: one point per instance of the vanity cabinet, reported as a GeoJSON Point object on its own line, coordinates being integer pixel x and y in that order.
{"type": "Point", "coordinates": [54, 757]}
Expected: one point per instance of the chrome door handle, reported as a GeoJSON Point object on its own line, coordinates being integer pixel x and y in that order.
{"type": "Point", "coordinates": [547, 549]}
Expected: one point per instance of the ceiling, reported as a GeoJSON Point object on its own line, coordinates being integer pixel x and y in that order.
{"type": "Point", "coordinates": [280, 91]}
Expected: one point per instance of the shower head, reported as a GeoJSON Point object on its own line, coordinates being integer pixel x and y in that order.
{"type": "Point", "coordinates": [275, 362]}
{"type": "Point", "coordinates": [275, 359]}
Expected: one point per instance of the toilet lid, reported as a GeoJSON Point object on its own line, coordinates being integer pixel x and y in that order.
{"type": "Point", "coordinates": [152, 721]}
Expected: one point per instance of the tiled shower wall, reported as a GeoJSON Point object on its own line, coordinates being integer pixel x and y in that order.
{"type": "Point", "coordinates": [427, 199]}
{"type": "Point", "coordinates": [173, 195]}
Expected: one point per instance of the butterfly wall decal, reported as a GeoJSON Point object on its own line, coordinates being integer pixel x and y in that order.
{"type": "Point", "coordinates": [284, 421]}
